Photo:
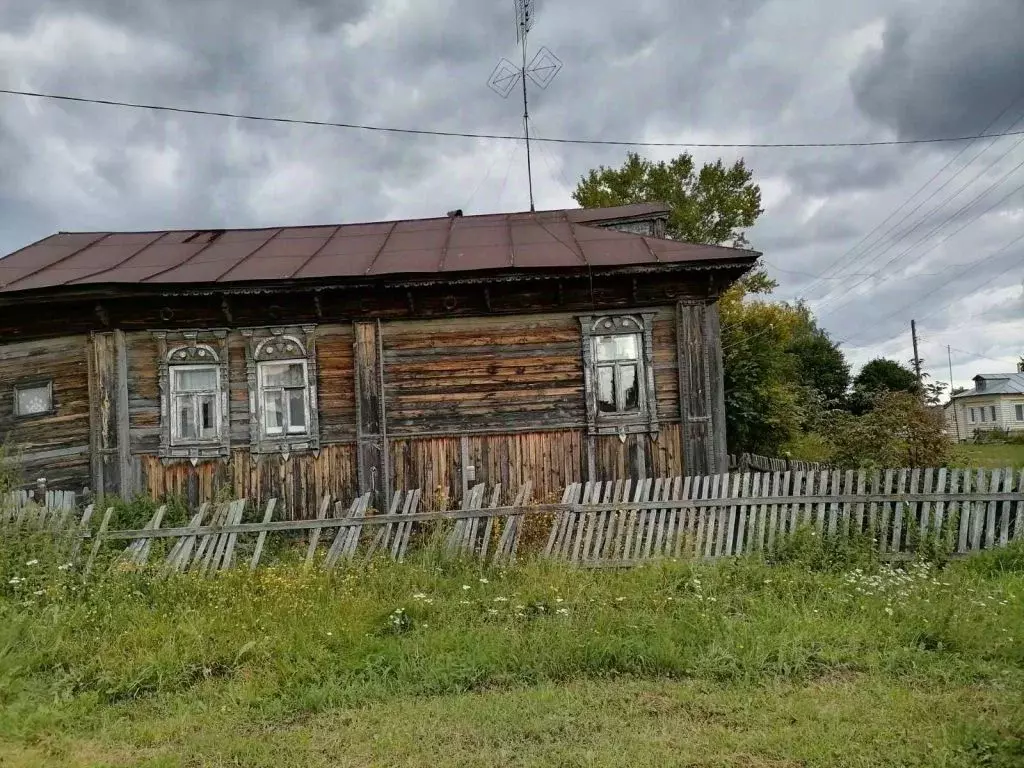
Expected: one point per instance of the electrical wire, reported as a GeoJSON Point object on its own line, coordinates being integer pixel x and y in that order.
{"type": "Point", "coordinates": [948, 219]}
{"type": "Point", "coordinates": [967, 268]}
{"type": "Point", "coordinates": [939, 242]}
{"type": "Point", "coordinates": [497, 136]}
{"type": "Point", "coordinates": [920, 189]}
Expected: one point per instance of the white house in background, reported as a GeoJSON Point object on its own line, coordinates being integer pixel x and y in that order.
{"type": "Point", "coordinates": [996, 402]}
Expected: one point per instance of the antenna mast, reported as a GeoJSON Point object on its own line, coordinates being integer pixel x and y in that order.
{"type": "Point", "coordinates": [541, 70]}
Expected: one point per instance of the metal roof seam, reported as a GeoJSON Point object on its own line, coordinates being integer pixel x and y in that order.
{"type": "Point", "coordinates": [511, 242]}
{"type": "Point", "coordinates": [123, 261]}
{"type": "Point", "coordinates": [650, 250]}
{"type": "Point", "coordinates": [165, 270]}
{"type": "Point", "coordinates": [77, 251]}
{"type": "Point", "coordinates": [391, 231]}
{"type": "Point", "coordinates": [317, 252]}
{"type": "Point", "coordinates": [447, 240]}
{"type": "Point", "coordinates": [247, 256]}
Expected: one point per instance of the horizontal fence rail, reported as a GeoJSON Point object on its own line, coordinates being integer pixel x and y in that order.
{"type": "Point", "coordinates": [595, 524]}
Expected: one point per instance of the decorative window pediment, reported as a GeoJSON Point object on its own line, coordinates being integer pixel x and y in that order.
{"type": "Point", "coordinates": [618, 373]}
{"type": "Point", "coordinates": [193, 383]}
{"type": "Point", "coordinates": [281, 371]}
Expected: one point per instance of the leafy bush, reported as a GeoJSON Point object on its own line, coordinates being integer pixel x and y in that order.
{"type": "Point", "coordinates": [898, 432]}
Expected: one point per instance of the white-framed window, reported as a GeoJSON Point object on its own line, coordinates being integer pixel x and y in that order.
{"type": "Point", "coordinates": [619, 368]}
{"type": "Point", "coordinates": [618, 373]}
{"type": "Point", "coordinates": [33, 398]}
{"type": "Point", "coordinates": [284, 397]}
{"type": "Point", "coordinates": [195, 391]}
{"type": "Point", "coordinates": [992, 413]}
{"type": "Point", "coordinates": [193, 381]}
{"type": "Point", "coordinates": [983, 414]}
{"type": "Point", "coordinates": [974, 414]}
{"type": "Point", "coordinates": [281, 371]}
{"type": "Point", "coordinates": [1019, 411]}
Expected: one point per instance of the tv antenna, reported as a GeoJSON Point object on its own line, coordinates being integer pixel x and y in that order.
{"type": "Point", "coordinates": [541, 70]}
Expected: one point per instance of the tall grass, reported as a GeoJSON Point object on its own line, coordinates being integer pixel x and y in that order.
{"type": "Point", "coordinates": [284, 640]}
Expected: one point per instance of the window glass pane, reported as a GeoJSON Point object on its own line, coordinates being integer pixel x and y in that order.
{"type": "Point", "coordinates": [284, 375]}
{"type": "Point", "coordinates": [296, 410]}
{"type": "Point", "coordinates": [195, 379]}
{"type": "Point", "coordinates": [185, 418]}
{"type": "Point", "coordinates": [207, 416]}
{"type": "Point", "coordinates": [606, 389]}
{"type": "Point", "coordinates": [626, 347]}
{"type": "Point", "coordinates": [992, 412]}
{"type": "Point", "coordinates": [1020, 413]}
{"type": "Point", "coordinates": [273, 408]}
{"type": "Point", "coordinates": [629, 387]}
{"type": "Point", "coordinates": [32, 400]}
{"type": "Point", "coordinates": [621, 347]}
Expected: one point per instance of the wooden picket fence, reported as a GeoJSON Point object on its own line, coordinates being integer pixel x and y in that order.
{"type": "Point", "coordinates": [598, 524]}
{"type": "Point", "coordinates": [752, 462]}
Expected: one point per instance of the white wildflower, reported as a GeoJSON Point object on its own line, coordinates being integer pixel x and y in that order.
{"type": "Point", "coordinates": [484, 581]}
{"type": "Point", "coordinates": [563, 611]}
{"type": "Point", "coordinates": [32, 562]}
{"type": "Point", "coordinates": [466, 586]}
{"type": "Point", "coordinates": [492, 611]}
{"type": "Point", "coordinates": [63, 567]}
{"type": "Point", "coordinates": [501, 599]}
{"type": "Point", "coordinates": [419, 596]}
{"type": "Point", "coordinates": [39, 592]}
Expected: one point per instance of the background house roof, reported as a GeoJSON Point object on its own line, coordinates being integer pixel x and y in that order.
{"type": "Point", "coordinates": [518, 241]}
{"type": "Point", "coordinates": [997, 384]}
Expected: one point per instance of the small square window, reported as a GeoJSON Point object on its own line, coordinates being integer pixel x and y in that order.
{"type": "Point", "coordinates": [33, 399]}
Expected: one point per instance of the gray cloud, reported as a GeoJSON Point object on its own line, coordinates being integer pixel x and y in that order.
{"type": "Point", "coordinates": [738, 71]}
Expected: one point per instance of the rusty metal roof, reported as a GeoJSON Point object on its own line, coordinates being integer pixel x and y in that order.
{"type": "Point", "coordinates": [516, 241]}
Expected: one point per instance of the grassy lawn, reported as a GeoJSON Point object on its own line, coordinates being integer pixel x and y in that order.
{"type": "Point", "coordinates": [991, 456]}
{"type": "Point", "coordinates": [824, 658]}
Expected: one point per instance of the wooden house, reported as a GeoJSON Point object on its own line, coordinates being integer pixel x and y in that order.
{"type": "Point", "coordinates": [433, 353]}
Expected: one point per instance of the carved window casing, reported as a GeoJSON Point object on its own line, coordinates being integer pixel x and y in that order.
{"type": "Point", "coordinates": [281, 371]}
{"type": "Point", "coordinates": [618, 373]}
{"type": "Point", "coordinates": [193, 383]}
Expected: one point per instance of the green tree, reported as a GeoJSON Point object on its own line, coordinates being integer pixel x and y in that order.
{"type": "Point", "coordinates": [711, 206]}
{"type": "Point", "coordinates": [781, 371]}
{"type": "Point", "coordinates": [878, 377]}
{"type": "Point", "coordinates": [820, 363]}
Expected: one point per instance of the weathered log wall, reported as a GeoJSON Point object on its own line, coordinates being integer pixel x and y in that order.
{"type": "Point", "coordinates": [54, 445]}
{"type": "Point", "coordinates": [463, 399]}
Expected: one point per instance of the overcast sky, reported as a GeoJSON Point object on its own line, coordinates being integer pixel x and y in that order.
{"type": "Point", "coordinates": [733, 71]}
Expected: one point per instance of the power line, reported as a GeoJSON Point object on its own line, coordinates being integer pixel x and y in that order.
{"type": "Point", "coordinates": [937, 208]}
{"type": "Point", "coordinates": [940, 225]}
{"type": "Point", "coordinates": [967, 268]}
{"type": "Point", "coordinates": [501, 137]}
{"type": "Point", "coordinates": [924, 186]}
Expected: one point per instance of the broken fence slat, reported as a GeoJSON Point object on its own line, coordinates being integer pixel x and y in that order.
{"type": "Point", "coordinates": [262, 536]}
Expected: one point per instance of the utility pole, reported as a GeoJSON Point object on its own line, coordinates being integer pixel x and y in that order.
{"type": "Point", "coordinates": [917, 357]}
{"type": "Point", "coordinates": [952, 404]}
